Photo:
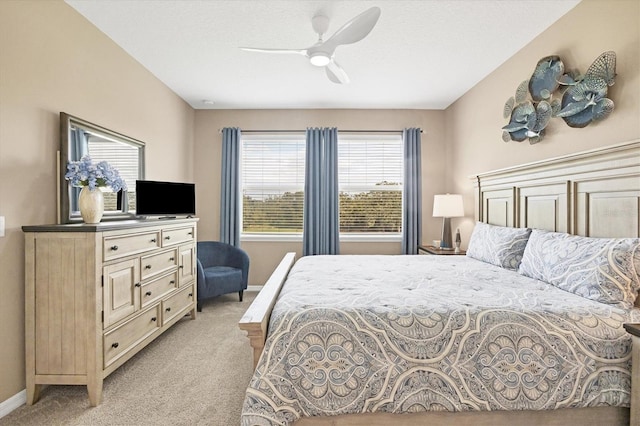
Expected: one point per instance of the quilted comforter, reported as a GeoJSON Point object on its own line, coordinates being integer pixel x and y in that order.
{"type": "Point", "coordinates": [353, 334]}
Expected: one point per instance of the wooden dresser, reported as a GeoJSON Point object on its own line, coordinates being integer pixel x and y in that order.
{"type": "Point", "coordinates": [95, 295]}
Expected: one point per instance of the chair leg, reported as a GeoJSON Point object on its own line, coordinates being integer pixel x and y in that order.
{"type": "Point", "coordinates": [199, 306]}
{"type": "Point", "coordinates": [240, 293]}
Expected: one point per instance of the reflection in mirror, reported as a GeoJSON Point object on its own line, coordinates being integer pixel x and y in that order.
{"type": "Point", "coordinates": [79, 138]}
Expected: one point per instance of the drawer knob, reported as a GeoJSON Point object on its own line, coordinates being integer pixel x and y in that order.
{"type": "Point", "coordinates": [153, 319]}
{"type": "Point", "coordinates": [153, 240]}
{"type": "Point", "coordinates": [181, 266]}
{"type": "Point", "coordinates": [168, 309]}
{"type": "Point", "coordinates": [190, 233]}
{"type": "Point", "coordinates": [172, 282]}
{"type": "Point", "coordinates": [147, 267]}
{"type": "Point", "coordinates": [114, 248]}
{"type": "Point", "coordinates": [137, 284]}
{"type": "Point", "coordinates": [190, 295]}
{"type": "Point", "coordinates": [115, 345]}
{"type": "Point", "coordinates": [148, 293]}
{"type": "Point", "coordinates": [168, 237]}
{"type": "Point", "coordinates": [171, 259]}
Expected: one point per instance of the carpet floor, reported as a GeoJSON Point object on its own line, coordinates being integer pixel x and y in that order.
{"type": "Point", "coordinates": [195, 373]}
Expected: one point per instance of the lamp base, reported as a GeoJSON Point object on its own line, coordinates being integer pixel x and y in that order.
{"type": "Point", "coordinates": [445, 242]}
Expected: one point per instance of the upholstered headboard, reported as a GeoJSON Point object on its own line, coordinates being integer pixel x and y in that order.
{"type": "Point", "coordinates": [594, 193]}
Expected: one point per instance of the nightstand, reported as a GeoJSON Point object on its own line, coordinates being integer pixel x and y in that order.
{"type": "Point", "coordinates": [436, 251]}
{"type": "Point", "coordinates": [634, 330]}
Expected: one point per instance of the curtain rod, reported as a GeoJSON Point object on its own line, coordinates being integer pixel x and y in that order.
{"type": "Point", "coordinates": [303, 131]}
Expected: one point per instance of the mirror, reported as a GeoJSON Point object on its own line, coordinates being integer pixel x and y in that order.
{"type": "Point", "coordinates": [78, 138]}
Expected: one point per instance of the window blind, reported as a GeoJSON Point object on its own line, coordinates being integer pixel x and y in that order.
{"type": "Point", "coordinates": [272, 170]}
{"type": "Point", "coordinates": [370, 175]}
{"type": "Point", "coordinates": [121, 156]}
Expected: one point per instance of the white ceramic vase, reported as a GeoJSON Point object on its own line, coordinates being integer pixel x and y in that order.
{"type": "Point", "coordinates": [91, 203]}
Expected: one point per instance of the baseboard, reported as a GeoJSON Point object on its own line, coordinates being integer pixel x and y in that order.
{"type": "Point", "coordinates": [255, 288]}
{"type": "Point", "coordinates": [12, 403]}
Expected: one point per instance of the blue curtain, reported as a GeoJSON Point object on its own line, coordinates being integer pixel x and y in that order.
{"type": "Point", "coordinates": [229, 193]}
{"type": "Point", "coordinates": [321, 222]}
{"type": "Point", "coordinates": [78, 148]}
{"type": "Point", "coordinates": [412, 197]}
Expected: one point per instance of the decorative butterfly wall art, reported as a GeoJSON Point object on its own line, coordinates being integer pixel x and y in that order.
{"type": "Point", "coordinates": [581, 99]}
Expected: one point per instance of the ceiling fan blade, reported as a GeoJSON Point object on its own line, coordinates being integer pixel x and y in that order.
{"type": "Point", "coordinates": [336, 73]}
{"type": "Point", "coordinates": [258, 49]}
{"type": "Point", "coordinates": [354, 30]}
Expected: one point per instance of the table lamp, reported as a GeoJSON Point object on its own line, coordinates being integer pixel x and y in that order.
{"type": "Point", "coordinates": [447, 206]}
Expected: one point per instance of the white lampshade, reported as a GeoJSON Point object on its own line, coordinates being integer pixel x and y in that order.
{"type": "Point", "coordinates": [448, 205]}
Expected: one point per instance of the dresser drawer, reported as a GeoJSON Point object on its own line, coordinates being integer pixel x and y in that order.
{"type": "Point", "coordinates": [119, 340]}
{"type": "Point", "coordinates": [157, 263]}
{"type": "Point", "coordinates": [158, 288]}
{"type": "Point", "coordinates": [176, 304]}
{"type": "Point", "coordinates": [117, 246]}
{"type": "Point", "coordinates": [178, 235]}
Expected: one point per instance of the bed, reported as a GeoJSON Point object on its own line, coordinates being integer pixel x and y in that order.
{"type": "Point", "coordinates": [481, 339]}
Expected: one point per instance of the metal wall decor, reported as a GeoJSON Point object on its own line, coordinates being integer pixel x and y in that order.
{"type": "Point", "coordinates": [585, 101]}
{"type": "Point", "coordinates": [581, 99]}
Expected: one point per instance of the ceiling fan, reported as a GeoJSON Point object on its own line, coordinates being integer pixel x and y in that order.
{"type": "Point", "coordinates": [321, 54]}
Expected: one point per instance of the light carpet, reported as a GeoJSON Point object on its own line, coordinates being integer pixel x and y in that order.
{"type": "Point", "coordinates": [195, 373]}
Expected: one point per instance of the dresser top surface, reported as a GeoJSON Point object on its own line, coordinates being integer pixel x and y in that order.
{"type": "Point", "coordinates": [107, 225]}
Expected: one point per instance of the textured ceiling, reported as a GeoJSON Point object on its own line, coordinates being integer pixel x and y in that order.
{"type": "Point", "coordinates": [420, 55]}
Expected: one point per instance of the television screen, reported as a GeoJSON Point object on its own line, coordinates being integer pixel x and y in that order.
{"type": "Point", "coordinates": [155, 198]}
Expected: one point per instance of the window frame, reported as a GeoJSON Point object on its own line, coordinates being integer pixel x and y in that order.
{"type": "Point", "coordinates": [264, 236]}
{"type": "Point", "coordinates": [297, 236]}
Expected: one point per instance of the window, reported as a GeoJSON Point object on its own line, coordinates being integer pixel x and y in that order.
{"type": "Point", "coordinates": [272, 180]}
{"type": "Point", "coordinates": [370, 175]}
{"type": "Point", "coordinates": [124, 158]}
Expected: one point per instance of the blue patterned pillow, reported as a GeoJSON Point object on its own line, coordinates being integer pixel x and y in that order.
{"type": "Point", "coordinates": [498, 245]}
{"type": "Point", "coordinates": [601, 269]}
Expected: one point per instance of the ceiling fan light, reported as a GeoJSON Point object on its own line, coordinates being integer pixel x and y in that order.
{"type": "Point", "coordinates": [320, 59]}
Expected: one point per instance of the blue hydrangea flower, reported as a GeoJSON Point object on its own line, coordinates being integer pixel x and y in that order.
{"type": "Point", "coordinates": [85, 173]}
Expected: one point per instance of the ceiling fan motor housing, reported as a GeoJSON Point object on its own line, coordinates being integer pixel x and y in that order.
{"type": "Point", "coordinates": [320, 24]}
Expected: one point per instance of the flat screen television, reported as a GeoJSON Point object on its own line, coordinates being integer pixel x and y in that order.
{"type": "Point", "coordinates": [154, 198]}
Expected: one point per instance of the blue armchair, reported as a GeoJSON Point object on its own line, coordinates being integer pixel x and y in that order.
{"type": "Point", "coordinates": [222, 269]}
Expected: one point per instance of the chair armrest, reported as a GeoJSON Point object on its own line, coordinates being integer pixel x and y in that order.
{"type": "Point", "coordinates": [245, 267]}
{"type": "Point", "coordinates": [235, 257]}
{"type": "Point", "coordinates": [200, 277]}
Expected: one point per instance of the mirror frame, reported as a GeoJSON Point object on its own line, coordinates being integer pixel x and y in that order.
{"type": "Point", "coordinates": [67, 122]}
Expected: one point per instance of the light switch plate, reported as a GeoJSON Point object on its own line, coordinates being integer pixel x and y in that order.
{"type": "Point", "coordinates": [1, 226]}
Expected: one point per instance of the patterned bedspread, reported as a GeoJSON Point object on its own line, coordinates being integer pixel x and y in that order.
{"type": "Point", "coordinates": [353, 334]}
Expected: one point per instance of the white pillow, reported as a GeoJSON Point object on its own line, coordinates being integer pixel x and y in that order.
{"type": "Point", "coordinates": [499, 245]}
{"type": "Point", "coordinates": [600, 269]}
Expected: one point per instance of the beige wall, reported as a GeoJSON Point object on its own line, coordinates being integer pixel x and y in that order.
{"type": "Point", "coordinates": [266, 255]}
{"type": "Point", "coordinates": [474, 122]}
{"type": "Point", "coordinates": [52, 60]}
